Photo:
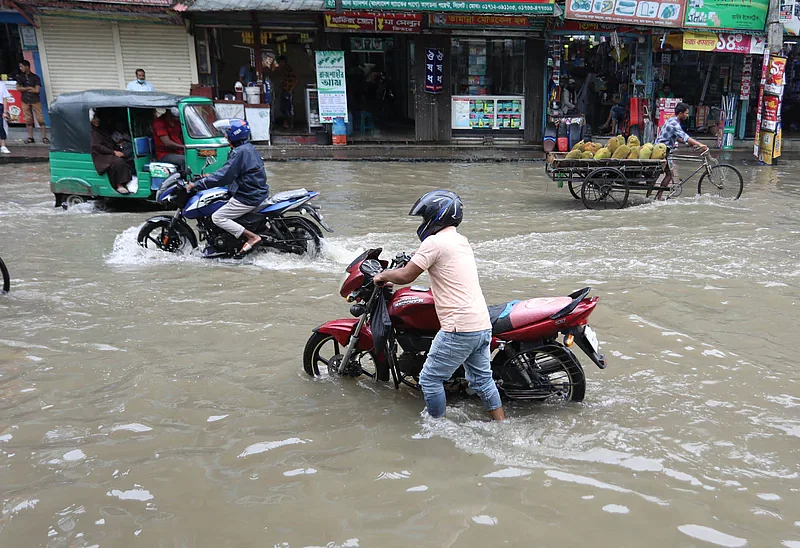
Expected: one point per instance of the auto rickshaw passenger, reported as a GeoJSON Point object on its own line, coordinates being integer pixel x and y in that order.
{"type": "Point", "coordinates": [109, 159]}
{"type": "Point", "coordinates": [168, 139]}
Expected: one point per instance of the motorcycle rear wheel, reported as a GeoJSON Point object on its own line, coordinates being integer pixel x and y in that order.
{"type": "Point", "coordinates": [154, 234]}
{"type": "Point", "coordinates": [322, 350]}
{"type": "Point", "coordinates": [560, 378]}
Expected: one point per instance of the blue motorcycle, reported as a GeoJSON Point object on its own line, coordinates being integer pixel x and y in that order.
{"type": "Point", "coordinates": [286, 222]}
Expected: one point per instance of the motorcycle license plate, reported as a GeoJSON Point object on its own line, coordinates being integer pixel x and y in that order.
{"type": "Point", "coordinates": [591, 336]}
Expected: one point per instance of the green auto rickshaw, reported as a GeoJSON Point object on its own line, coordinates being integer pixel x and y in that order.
{"type": "Point", "coordinates": [73, 178]}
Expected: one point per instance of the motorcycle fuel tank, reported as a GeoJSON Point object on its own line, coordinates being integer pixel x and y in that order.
{"type": "Point", "coordinates": [206, 202]}
{"type": "Point", "coordinates": [413, 308]}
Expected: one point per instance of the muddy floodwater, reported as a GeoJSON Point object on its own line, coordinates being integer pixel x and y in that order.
{"type": "Point", "coordinates": [152, 400]}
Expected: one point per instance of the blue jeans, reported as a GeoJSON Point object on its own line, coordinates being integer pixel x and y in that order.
{"type": "Point", "coordinates": [448, 352]}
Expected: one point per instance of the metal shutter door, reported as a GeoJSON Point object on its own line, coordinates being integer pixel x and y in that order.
{"type": "Point", "coordinates": [162, 51]}
{"type": "Point", "coordinates": [80, 55]}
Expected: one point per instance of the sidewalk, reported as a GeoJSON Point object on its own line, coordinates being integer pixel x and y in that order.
{"type": "Point", "coordinates": [22, 153]}
{"type": "Point", "coordinates": [382, 152]}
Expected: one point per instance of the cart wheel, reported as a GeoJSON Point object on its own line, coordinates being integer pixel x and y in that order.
{"type": "Point", "coordinates": [605, 188]}
{"type": "Point", "coordinates": [574, 188]}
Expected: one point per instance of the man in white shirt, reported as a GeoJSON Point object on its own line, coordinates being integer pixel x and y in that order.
{"type": "Point", "coordinates": [4, 95]}
{"type": "Point", "coordinates": [140, 84]}
{"type": "Point", "coordinates": [466, 329]}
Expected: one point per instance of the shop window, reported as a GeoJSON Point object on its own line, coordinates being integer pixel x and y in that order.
{"type": "Point", "coordinates": [488, 66]}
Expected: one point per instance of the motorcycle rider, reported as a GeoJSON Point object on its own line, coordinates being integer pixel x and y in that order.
{"type": "Point", "coordinates": [245, 177]}
{"type": "Point", "coordinates": [466, 329]}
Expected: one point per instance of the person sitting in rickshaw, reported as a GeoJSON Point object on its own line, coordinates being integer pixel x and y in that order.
{"type": "Point", "coordinates": [246, 179]}
{"type": "Point", "coordinates": [168, 139]}
{"type": "Point", "coordinates": [109, 159]}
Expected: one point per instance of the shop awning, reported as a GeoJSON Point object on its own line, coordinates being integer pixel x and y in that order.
{"type": "Point", "coordinates": [257, 5]}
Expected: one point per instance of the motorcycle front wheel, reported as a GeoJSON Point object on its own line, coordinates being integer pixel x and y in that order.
{"type": "Point", "coordinates": [6, 277]}
{"type": "Point", "coordinates": [158, 235]}
{"type": "Point", "coordinates": [307, 240]}
{"type": "Point", "coordinates": [323, 354]}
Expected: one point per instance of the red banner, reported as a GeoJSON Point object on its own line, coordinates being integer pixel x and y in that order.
{"type": "Point", "coordinates": [351, 21]}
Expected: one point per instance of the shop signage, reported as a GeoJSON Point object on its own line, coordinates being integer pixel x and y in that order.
{"type": "Point", "coordinates": [723, 43]}
{"type": "Point", "coordinates": [434, 70]}
{"type": "Point", "coordinates": [790, 16]}
{"type": "Point", "coordinates": [747, 78]}
{"type": "Point", "coordinates": [28, 35]}
{"type": "Point", "coordinates": [658, 13]}
{"type": "Point", "coordinates": [727, 14]}
{"type": "Point", "coordinates": [583, 27]}
{"type": "Point", "coordinates": [331, 86]}
{"type": "Point", "coordinates": [447, 20]}
{"type": "Point", "coordinates": [351, 21]}
{"type": "Point", "coordinates": [530, 7]}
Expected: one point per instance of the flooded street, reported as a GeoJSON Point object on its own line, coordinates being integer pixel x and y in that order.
{"type": "Point", "coordinates": [153, 400]}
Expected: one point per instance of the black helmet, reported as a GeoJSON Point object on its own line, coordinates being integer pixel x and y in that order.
{"type": "Point", "coordinates": [438, 209]}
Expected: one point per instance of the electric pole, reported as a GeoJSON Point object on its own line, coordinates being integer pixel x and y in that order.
{"type": "Point", "coordinates": [774, 28]}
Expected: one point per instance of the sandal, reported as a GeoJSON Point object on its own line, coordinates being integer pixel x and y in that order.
{"type": "Point", "coordinates": [248, 247]}
{"type": "Point", "coordinates": [46, 141]}
{"type": "Point", "coordinates": [30, 141]}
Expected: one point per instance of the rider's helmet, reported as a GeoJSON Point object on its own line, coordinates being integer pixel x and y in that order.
{"type": "Point", "coordinates": [438, 209]}
{"type": "Point", "coordinates": [236, 130]}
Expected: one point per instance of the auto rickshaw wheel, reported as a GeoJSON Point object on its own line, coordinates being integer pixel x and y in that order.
{"type": "Point", "coordinates": [72, 200]}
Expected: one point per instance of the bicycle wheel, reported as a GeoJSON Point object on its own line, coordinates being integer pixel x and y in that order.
{"type": "Point", "coordinates": [724, 181]}
{"type": "Point", "coordinates": [6, 277]}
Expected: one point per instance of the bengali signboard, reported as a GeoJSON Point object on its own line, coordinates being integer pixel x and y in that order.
{"type": "Point", "coordinates": [452, 20]}
{"type": "Point", "coordinates": [434, 70]}
{"type": "Point", "coordinates": [727, 14]}
{"type": "Point", "coordinates": [659, 13]}
{"type": "Point", "coordinates": [331, 86]}
{"type": "Point", "coordinates": [723, 43]}
{"type": "Point", "coordinates": [351, 21]}
{"type": "Point", "coordinates": [529, 7]}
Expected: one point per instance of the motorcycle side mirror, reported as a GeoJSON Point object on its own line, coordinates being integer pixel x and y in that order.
{"type": "Point", "coordinates": [370, 268]}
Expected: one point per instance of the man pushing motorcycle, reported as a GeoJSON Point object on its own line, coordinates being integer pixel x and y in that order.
{"type": "Point", "coordinates": [245, 177]}
{"type": "Point", "coordinates": [466, 329]}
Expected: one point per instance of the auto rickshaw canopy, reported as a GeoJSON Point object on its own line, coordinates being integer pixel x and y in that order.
{"type": "Point", "coordinates": [69, 113]}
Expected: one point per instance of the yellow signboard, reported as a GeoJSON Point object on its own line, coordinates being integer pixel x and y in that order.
{"type": "Point", "coordinates": [699, 41]}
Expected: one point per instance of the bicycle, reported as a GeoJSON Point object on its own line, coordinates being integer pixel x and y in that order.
{"type": "Point", "coordinates": [6, 276]}
{"type": "Point", "coordinates": [722, 180]}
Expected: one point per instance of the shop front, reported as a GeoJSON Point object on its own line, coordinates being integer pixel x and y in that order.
{"type": "Point", "coordinates": [379, 53]}
{"type": "Point", "coordinates": [716, 74]}
{"type": "Point", "coordinates": [466, 74]}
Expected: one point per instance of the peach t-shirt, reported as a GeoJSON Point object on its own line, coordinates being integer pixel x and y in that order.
{"type": "Point", "coordinates": [448, 258]}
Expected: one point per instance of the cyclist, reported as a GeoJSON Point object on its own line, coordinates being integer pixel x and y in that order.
{"type": "Point", "coordinates": [672, 132]}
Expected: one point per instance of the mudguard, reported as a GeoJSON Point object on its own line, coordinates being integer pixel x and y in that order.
{"type": "Point", "coordinates": [341, 330]}
{"type": "Point", "coordinates": [180, 224]}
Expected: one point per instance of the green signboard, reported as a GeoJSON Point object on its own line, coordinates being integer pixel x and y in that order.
{"type": "Point", "coordinates": [727, 14]}
{"type": "Point", "coordinates": [527, 7]}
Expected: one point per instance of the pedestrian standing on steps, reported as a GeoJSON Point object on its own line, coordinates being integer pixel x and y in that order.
{"type": "Point", "coordinates": [4, 95]}
{"type": "Point", "coordinates": [30, 85]}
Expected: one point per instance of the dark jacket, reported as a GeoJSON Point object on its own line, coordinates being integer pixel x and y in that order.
{"type": "Point", "coordinates": [243, 174]}
{"type": "Point", "coordinates": [102, 150]}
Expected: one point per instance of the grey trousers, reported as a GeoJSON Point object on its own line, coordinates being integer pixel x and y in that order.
{"type": "Point", "coordinates": [223, 217]}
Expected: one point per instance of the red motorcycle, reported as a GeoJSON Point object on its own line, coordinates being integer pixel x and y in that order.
{"type": "Point", "coordinates": [528, 361]}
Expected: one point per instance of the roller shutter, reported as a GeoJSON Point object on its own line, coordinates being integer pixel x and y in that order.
{"type": "Point", "coordinates": [162, 51]}
{"type": "Point", "coordinates": [80, 55]}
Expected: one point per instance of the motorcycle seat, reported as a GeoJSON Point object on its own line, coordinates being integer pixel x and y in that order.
{"type": "Point", "coordinates": [516, 314]}
{"type": "Point", "coordinates": [285, 196]}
